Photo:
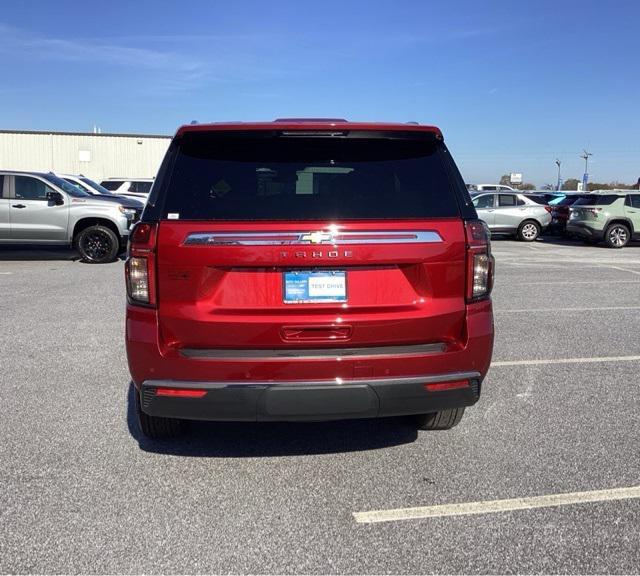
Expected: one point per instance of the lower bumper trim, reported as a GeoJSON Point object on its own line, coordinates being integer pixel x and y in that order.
{"type": "Point", "coordinates": [310, 400]}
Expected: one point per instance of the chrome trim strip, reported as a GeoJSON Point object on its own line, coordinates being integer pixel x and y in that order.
{"type": "Point", "coordinates": [312, 353]}
{"type": "Point", "coordinates": [316, 238]}
{"type": "Point", "coordinates": [427, 379]}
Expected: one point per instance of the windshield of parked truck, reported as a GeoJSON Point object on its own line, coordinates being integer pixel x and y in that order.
{"type": "Point", "coordinates": [71, 189]}
{"type": "Point", "coordinates": [96, 186]}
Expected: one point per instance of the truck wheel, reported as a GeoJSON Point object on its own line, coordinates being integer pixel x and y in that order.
{"type": "Point", "coordinates": [97, 244]}
{"type": "Point", "coordinates": [442, 420]}
{"type": "Point", "coordinates": [529, 230]}
{"type": "Point", "coordinates": [157, 427]}
{"type": "Point", "coordinates": [617, 236]}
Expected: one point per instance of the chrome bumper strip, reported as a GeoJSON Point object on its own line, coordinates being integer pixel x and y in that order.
{"type": "Point", "coordinates": [312, 353]}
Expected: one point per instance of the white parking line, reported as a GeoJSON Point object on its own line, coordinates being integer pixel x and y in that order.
{"type": "Point", "coordinates": [521, 310]}
{"type": "Point", "coordinates": [555, 283]}
{"type": "Point", "coordinates": [623, 269]}
{"type": "Point", "coordinates": [594, 360]}
{"type": "Point", "coordinates": [494, 506]}
{"type": "Point", "coordinates": [528, 262]}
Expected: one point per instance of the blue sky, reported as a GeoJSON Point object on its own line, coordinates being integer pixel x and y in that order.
{"type": "Point", "coordinates": [513, 85]}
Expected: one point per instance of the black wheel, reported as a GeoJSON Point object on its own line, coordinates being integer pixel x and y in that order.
{"type": "Point", "coordinates": [156, 427]}
{"type": "Point", "coordinates": [98, 244]}
{"type": "Point", "coordinates": [442, 420]}
{"type": "Point", "coordinates": [617, 236]}
{"type": "Point", "coordinates": [529, 230]}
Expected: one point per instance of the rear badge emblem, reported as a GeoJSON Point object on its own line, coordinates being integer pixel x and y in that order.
{"type": "Point", "coordinates": [317, 237]}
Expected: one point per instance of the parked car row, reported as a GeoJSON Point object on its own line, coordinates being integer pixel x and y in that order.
{"type": "Point", "coordinates": [609, 216]}
{"type": "Point", "coordinates": [65, 209]}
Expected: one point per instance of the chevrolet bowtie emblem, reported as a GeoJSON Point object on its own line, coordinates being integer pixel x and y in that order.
{"type": "Point", "coordinates": [316, 237]}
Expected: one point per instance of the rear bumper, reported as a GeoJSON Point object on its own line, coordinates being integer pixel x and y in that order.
{"type": "Point", "coordinates": [314, 401]}
{"type": "Point", "coordinates": [584, 231]}
{"type": "Point", "coordinates": [295, 384]}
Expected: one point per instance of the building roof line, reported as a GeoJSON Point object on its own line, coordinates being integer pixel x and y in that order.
{"type": "Point", "coordinates": [101, 134]}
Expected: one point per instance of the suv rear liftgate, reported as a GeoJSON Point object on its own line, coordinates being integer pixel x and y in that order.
{"type": "Point", "coordinates": [308, 272]}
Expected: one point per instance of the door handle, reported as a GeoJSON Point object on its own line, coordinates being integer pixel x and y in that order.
{"type": "Point", "coordinates": [18, 206]}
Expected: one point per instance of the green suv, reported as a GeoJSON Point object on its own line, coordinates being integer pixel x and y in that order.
{"type": "Point", "coordinates": [612, 216]}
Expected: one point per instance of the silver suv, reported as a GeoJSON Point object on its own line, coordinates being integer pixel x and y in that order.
{"type": "Point", "coordinates": [40, 208]}
{"type": "Point", "coordinates": [513, 214]}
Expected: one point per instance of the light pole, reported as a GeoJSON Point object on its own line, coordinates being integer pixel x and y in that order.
{"type": "Point", "coordinates": [585, 178]}
{"type": "Point", "coordinates": [559, 181]}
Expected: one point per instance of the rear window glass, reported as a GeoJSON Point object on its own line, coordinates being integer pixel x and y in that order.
{"type": "Point", "coordinates": [140, 187]}
{"type": "Point", "coordinates": [111, 184]}
{"type": "Point", "coordinates": [541, 199]}
{"type": "Point", "coordinates": [569, 200]}
{"type": "Point", "coordinates": [308, 178]}
{"type": "Point", "coordinates": [597, 200]}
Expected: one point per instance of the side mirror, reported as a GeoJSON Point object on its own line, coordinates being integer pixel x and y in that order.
{"type": "Point", "coordinates": [55, 197]}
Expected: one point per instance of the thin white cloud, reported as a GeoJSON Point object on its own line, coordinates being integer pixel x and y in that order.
{"type": "Point", "coordinates": [190, 63]}
{"type": "Point", "coordinates": [25, 44]}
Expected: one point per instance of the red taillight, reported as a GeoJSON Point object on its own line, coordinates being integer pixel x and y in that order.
{"type": "Point", "coordinates": [480, 262]}
{"type": "Point", "coordinates": [180, 392]}
{"type": "Point", "coordinates": [548, 209]}
{"type": "Point", "coordinates": [141, 234]}
{"type": "Point", "coordinates": [140, 273]}
{"type": "Point", "coordinates": [439, 386]}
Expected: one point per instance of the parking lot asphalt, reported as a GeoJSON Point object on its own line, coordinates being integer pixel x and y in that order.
{"type": "Point", "coordinates": [82, 491]}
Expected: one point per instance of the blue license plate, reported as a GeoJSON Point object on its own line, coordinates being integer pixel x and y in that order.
{"type": "Point", "coordinates": [316, 286]}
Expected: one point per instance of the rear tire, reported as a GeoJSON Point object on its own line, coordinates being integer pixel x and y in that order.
{"type": "Point", "coordinates": [528, 231]}
{"type": "Point", "coordinates": [442, 420]}
{"type": "Point", "coordinates": [156, 427]}
{"type": "Point", "coordinates": [617, 236]}
{"type": "Point", "coordinates": [97, 244]}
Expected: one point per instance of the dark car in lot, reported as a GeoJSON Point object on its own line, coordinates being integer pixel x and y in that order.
{"type": "Point", "coordinates": [308, 270]}
{"type": "Point", "coordinates": [560, 212]}
{"type": "Point", "coordinates": [545, 198]}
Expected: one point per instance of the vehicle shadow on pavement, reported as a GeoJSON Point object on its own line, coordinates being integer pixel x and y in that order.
{"type": "Point", "coordinates": [265, 439]}
{"type": "Point", "coordinates": [565, 241]}
{"type": "Point", "coordinates": [43, 253]}
{"type": "Point", "coordinates": [37, 253]}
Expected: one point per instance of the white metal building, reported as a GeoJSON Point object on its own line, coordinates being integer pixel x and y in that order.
{"type": "Point", "coordinates": [97, 156]}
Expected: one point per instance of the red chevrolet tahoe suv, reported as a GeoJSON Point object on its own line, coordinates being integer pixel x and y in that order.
{"type": "Point", "coordinates": [307, 270]}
